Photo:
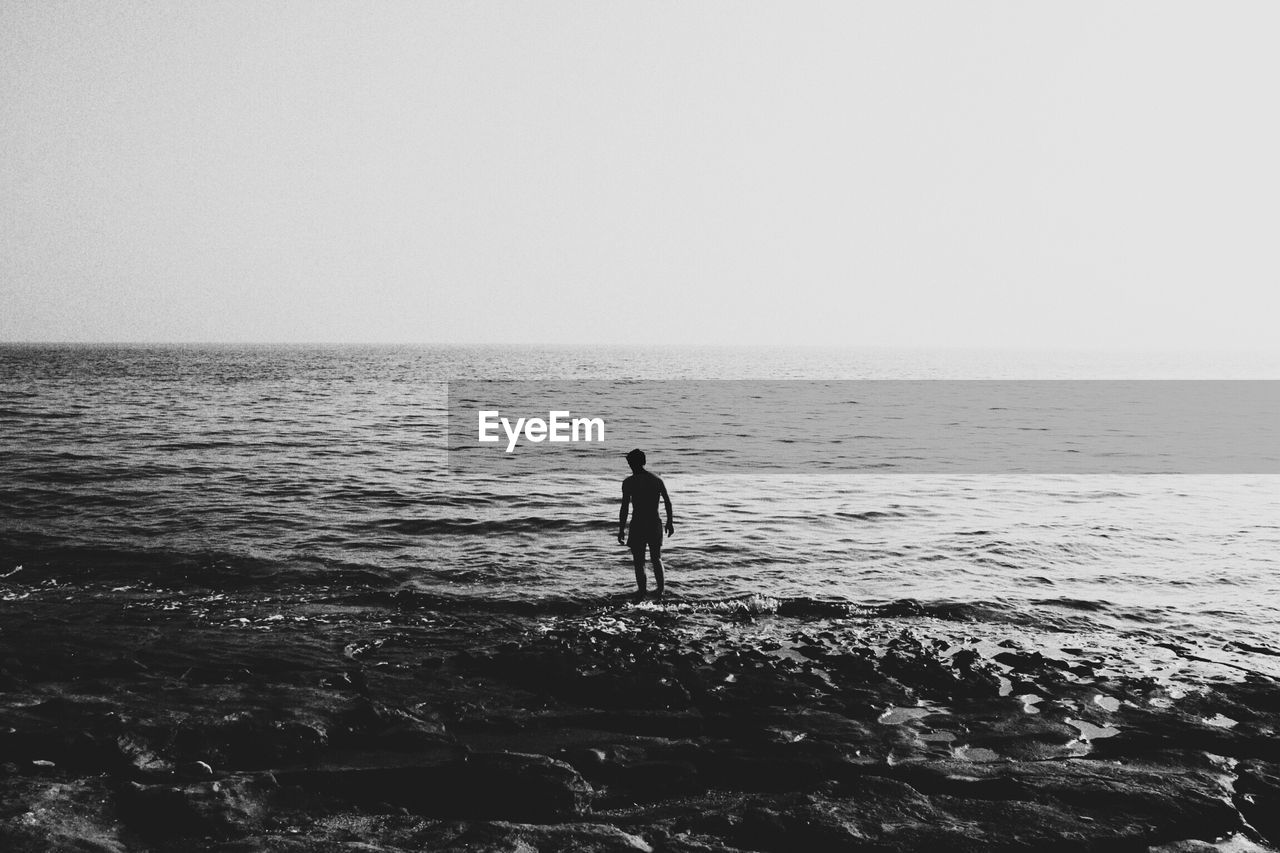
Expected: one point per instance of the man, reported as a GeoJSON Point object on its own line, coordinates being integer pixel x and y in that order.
{"type": "Point", "coordinates": [642, 489]}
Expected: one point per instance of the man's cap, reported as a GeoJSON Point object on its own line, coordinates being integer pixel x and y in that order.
{"type": "Point", "coordinates": [636, 456]}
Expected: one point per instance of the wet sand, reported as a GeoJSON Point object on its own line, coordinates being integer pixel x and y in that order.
{"type": "Point", "coordinates": [132, 719]}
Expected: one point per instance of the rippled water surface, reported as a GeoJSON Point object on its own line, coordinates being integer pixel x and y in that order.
{"type": "Point", "coordinates": [324, 466]}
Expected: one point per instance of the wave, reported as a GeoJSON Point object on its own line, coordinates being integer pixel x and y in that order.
{"type": "Point", "coordinates": [463, 588]}
{"type": "Point", "coordinates": [871, 515]}
{"type": "Point", "coordinates": [38, 414]}
{"type": "Point", "coordinates": [1086, 605]}
{"type": "Point", "coordinates": [486, 527]}
{"type": "Point", "coordinates": [756, 604]}
{"type": "Point", "coordinates": [205, 569]}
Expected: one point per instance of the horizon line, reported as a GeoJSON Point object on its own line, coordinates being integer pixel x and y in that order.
{"type": "Point", "coordinates": [666, 345]}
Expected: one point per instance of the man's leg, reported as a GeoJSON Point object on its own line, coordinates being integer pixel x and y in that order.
{"type": "Point", "coordinates": [655, 551]}
{"type": "Point", "coordinates": [637, 556]}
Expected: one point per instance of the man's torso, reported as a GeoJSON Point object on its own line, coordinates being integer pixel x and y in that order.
{"type": "Point", "coordinates": [645, 490]}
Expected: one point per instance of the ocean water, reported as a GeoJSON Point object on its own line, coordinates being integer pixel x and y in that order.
{"type": "Point", "coordinates": [322, 471]}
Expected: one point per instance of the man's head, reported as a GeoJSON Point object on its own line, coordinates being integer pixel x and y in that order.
{"type": "Point", "coordinates": [636, 459]}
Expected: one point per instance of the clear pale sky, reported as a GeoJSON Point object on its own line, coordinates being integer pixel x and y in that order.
{"type": "Point", "coordinates": [1090, 174]}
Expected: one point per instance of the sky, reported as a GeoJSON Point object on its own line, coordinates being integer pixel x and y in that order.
{"type": "Point", "coordinates": [1058, 174]}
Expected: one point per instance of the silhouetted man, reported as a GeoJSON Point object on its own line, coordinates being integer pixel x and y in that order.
{"type": "Point", "coordinates": [642, 490]}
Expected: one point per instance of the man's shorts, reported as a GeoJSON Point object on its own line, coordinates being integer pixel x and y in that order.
{"type": "Point", "coordinates": [640, 535]}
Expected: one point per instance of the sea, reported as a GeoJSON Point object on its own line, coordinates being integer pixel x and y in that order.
{"type": "Point", "coordinates": [316, 477]}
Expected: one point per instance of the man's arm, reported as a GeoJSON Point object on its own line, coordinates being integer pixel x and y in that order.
{"type": "Point", "coordinates": [666, 499]}
{"type": "Point", "coordinates": [622, 516]}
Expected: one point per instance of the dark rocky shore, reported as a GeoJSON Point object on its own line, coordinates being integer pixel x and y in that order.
{"type": "Point", "coordinates": [137, 721]}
